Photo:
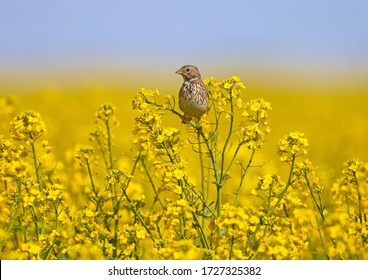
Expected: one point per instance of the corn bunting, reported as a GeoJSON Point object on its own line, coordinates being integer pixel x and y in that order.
{"type": "Point", "coordinates": [193, 94]}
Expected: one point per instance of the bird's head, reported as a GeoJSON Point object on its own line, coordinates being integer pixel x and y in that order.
{"type": "Point", "coordinates": [189, 72]}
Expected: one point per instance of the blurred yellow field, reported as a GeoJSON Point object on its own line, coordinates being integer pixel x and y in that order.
{"type": "Point", "coordinates": [111, 173]}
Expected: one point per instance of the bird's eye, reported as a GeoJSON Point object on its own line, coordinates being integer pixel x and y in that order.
{"type": "Point", "coordinates": [187, 69]}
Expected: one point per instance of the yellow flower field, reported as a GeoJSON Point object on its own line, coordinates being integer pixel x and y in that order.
{"type": "Point", "coordinates": [117, 175]}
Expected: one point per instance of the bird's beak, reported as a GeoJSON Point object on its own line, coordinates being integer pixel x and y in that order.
{"type": "Point", "coordinates": [180, 71]}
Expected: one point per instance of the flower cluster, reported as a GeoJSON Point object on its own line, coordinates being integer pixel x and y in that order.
{"type": "Point", "coordinates": [292, 146]}
{"type": "Point", "coordinates": [225, 94]}
{"type": "Point", "coordinates": [254, 128]}
{"type": "Point", "coordinates": [27, 126]}
{"type": "Point", "coordinates": [103, 135]}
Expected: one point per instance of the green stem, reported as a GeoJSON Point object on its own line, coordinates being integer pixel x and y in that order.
{"type": "Point", "coordinates": [362, 216]}
{"type": "Point", "coordinates": [219, 200]}
{"type": "Point", "coordinates": [40, 189]}
{"type": "Point", "coordinates": [39, 181]}
{"type": "Point", "coordinates": [215, 169]}
{"type": "Point", "coordinates": [109, 144]}
{"type": "Point", "coordinates": [100, 145]}
{"type": "Point", "coordinates": [92, 183]}
{"type": "Point", "coordinates": [231, 241]}
{"type": "Point", "coordinates": [136, 213]}
{"type": "Point", "coordinates": [223, 155]}
{"type": "Point", "coordinates": [319, 208]}
{"type": "Point", "coordinates": [202, 234]}
{"type": "Point", "coordinates": [202, 177]}
{"type": "Point", "coordinates": [282, 194]}
{"type": "Point", "coordinates": [227, 141]}
{"type": "Point", "coordinates": [116, 208]}
{"type": "Point", "coordinates": [202, 199]}
{"type": "Point", "coordinates": [49, 251]}
{"type": "Point", "coordinates": [321, 237]}
{"type": "Point", "coordinates": [35, 221]}
{"type": "Point", "coordinates": [56, 215]}
{"type": "Point", "coordinates": [243, 176]}
{"type": "Point", "coordinates": [129, 180]}
{"type": "Point", "coordinates": [157, 195]}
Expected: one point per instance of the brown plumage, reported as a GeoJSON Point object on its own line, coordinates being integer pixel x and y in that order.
{"type": "Point", "coordinates": [193, 94]}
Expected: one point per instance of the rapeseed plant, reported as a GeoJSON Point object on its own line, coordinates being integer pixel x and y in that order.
{"type": "Point", "coordinates": [186, 191]}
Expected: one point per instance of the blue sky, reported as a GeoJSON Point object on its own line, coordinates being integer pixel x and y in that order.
{"type": "Point", "coordinates": [50, 32]}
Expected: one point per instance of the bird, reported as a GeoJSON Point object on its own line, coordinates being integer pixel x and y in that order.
{"type": "Point", "coordinates": [193, 94]}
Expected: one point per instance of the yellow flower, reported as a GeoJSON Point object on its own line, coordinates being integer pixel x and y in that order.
{"type": "Point", "coordinates": [28, 200]}
{"type": "Point", "coordinates": [89, 213]}
{"type": "Point", "coordinates": [141, 234]}
{"type": "Point", "coordinates": [178, 174]}
{"type": "Point", "coordinates": [54, 194]}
